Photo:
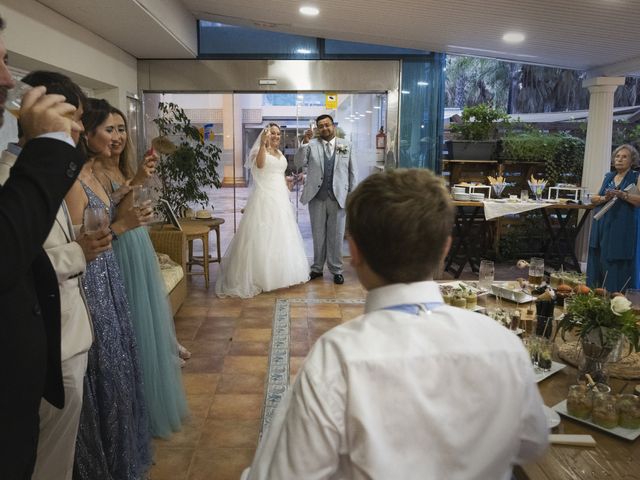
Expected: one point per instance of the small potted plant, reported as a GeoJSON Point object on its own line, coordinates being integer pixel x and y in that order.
{"type": "Point", "coordinates": [476, 134]}
{"type": "Point", "coordinates": [600, 323]}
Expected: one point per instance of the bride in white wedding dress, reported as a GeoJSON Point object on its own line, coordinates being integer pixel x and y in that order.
{"type": "Point", "coordinates": [267, 251]}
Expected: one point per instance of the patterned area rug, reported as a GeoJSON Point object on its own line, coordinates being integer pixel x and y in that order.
{"type": "Point", "coordinates": [627, 368]}
{"type": "Point", "coordinates": [279, 352]}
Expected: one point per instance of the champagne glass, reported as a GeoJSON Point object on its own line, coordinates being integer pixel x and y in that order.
{"type": "Point", "coordinates": [14, 98]}
{"type": "Point", "coordinates": [498, 188]}
{"type": "Point", "coordinates": [141, 196]}
{"type": "Point", "coordinates": [95, 219]}
{"type": "Point", "coordinates": [486, 275]}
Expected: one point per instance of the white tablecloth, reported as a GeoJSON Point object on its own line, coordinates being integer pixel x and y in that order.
{"type": "Point", "coordinates": [493, 209]}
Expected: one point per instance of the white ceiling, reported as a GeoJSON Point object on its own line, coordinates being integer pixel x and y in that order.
{"type": "Point", "coordinates": [596, 35]}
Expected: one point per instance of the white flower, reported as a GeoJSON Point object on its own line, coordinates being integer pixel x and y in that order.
{"type": "Point", "coordinates": [619, 305]}
{"type": "Point", "coordinates": [342, 149]}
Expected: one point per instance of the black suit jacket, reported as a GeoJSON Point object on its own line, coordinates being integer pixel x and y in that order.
{"type": "Point", "coordinates": [29, 297]}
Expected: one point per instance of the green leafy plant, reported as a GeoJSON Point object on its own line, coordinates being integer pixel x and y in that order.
{"type": "Point", "coordinates": [185, 173]}
{"type": "Point", "coordinates": [480, 122]}
{"type": "Point", "coordinates": [604, 320]}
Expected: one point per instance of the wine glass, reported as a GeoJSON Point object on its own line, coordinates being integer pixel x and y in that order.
{"type": "Point", "coordinates": [498, 188]}
{"type": "Point", "coordinates": [95, 219]}
{"type": "Point", "coordinates": [537, 189]}
{"type": "Point", "coordinates": [141, 196]}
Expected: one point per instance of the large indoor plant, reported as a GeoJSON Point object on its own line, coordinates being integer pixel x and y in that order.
{"type": "Point", "coordinates": [600, 324]}
{"type": "Point", "coordinates": [475, 136]}
{"type": "Point", "coordinates": [192, 167]}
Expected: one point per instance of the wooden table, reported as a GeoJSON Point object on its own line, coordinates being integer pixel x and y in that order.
{"type": "Point", "coordinates": [213, 224]}
{"type": "Point", "coordinates": [613, 458]}
{"type": "Point", "coordinates": [558, 250]}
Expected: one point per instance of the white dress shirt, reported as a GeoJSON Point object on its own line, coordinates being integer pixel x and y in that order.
{"type": "Point", "coordinates": [331, 143]}
{"type": "Point", "coordinates": [447, 394]}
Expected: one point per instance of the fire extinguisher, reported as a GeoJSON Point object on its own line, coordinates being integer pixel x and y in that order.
{"type": "Point", "coordinates": [381, 139]}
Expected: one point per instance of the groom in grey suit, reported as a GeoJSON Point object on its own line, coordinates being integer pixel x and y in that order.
{"type": "Point", "coordinates": [331, 175]}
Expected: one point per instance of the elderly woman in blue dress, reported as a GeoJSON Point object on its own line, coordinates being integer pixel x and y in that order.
{"type": "Point", "coordinates": [612, 244]}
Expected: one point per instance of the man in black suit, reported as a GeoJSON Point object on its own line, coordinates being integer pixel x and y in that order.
{"type": "Point", "coordinates": [29, 296]}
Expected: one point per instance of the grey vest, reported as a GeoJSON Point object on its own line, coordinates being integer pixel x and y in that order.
{"type": "Point", "coordinates": [326, 189]}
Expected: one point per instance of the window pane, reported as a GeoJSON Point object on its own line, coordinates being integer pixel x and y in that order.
{"type": "Point", "coordinates": [338, 47]}
{"type": "Point", "coordinates": [221, 39]}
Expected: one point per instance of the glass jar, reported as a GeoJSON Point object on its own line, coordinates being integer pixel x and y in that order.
{"type": "Point", "coordinates": [604, 411]}
{"type": "Point", "coordinates": [579, 401]}
{"type": "Point", "coordinates": [628, 406]}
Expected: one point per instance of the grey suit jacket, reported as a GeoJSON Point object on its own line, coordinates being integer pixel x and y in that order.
{"type": "Point", "coordinates": [311, 156]}
{"type": "Point", "coordinates": [69, 263]}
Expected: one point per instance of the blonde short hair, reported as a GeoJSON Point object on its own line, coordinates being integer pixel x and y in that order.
{"type": "Point", "coordinates": [401, 220]}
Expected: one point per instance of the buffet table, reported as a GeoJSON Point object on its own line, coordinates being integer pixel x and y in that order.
{"type": "Point", "coordinates": [611, 458]}
{"type": "Point", "coordinates": [558, 250]}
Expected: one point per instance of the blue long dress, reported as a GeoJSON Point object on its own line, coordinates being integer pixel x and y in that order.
{"type": "Point", "coordinates": [612, 243]}
{"type": "Point", "coordinates": [113, 438]}
{"type": "Point", "coordinates": [154, 329]}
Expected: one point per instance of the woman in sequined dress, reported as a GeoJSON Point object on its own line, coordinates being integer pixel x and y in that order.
{"type": "Point", "coordinates": [113, 439]}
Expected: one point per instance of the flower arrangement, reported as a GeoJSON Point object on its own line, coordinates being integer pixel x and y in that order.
{"type": "Point", "coordinates": [342, 149]}
{"type": "Point", "coordinates": [601, 320]}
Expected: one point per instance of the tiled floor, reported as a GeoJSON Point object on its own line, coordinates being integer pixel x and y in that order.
{"type": "Point", "coordinates": [225, 378]}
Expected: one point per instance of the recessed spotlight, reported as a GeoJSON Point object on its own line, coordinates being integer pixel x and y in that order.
{"type": "Point", "coordinates": [369, 111]}
{"type": "Point", "coordinates": [304, 51]}
{"type": "Point", "coordinates": [405, 92]}
{"type": "Point", "coordinates": [513, 37]}
{"type": "Point", "coordinates": [310, 11]}
{"type": "Point", "coordinates": [376, 107]}
{"type": "Point", "coordinates": [300, 97]}
{"type": "Point", "coordinates": [423, 84]}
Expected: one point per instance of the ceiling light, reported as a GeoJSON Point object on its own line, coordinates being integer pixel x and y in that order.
{"type": "Point", "coordinates": [369, 111]}
{"type": "Point", "coordinates": [377, 107]}
{"type": "Point", "coordinates": [300, 97]}
{"type": "Point", "coordinates": [423, 84]}
{"type": "Point", "coordinates": [405, 92]}
{"type": "Point", "coordinates": [310, 11]}
{"type": "Point", "coordinates": [513, 37]}
{"type": "Point", "coordinates": [304, 51]}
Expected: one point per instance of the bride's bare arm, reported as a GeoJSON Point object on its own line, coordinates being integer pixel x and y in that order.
{"type": "Point", "coordinates": [264, 140]}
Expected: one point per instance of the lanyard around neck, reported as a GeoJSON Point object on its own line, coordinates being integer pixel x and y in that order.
{"type": "Point", "coordinates": [415, 308]}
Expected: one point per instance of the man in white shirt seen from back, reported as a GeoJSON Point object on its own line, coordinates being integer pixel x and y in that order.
{"type": "Point", "coordinates": [414, 388]}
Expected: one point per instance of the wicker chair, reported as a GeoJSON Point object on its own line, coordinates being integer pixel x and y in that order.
{"type": "Point", "coordinates": [172, 242]}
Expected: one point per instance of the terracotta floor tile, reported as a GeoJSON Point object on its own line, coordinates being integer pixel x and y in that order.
{"type": "Point", "coordinates": [324, 324]}
{"type": "Point", "coordinates": [254, 322]}
{"type": "Point", "coordinates": [298, 311]}
{"type": "Point", "coordinates": [299, 334]}
{"type": "Point", "coordinates": [209, 331]}
{"type": "Point", "coordinates": [324, 310]}
{"type": "Point", "coordinates": [189, 311]}
{"type": "Point", "coordinates": [221, 464]}
{"type": "Point", "coordinates": [299, 349]}
{"type": "Point", "coordinates": [171, 464]}
{"type": "Point", "coordinates": [249, 348]}
{"type": "Point", "coordinates": [204, 364]}
{"type": "Point", "coordinates": [188, 437]}
{"type": "Point", "coordinates": [229, 433]}
{"type": "Point", "coordinates": [200, 383]}
{"type": "Point", "coordinates": [242, 406]}
{"type": "Point", "coordinates": [241, 383]}
{"type": "Point", "coordinates": [351, 311]}
{"type": "Point", "coordinates": [299, 322]}
{"type": "Point", "coordinates": [205, 346]}
{"type": "Point", "coordinates": [199, 404]}
{"type": "Point", "coordinates": [258, 311]}
{"type": "Point", "coordinates": [186, 328]}
{"type": "Point", "coordinates": [220, 321]}
{"type": "Point", "coordinates": [245, 364]}
{"type": "Point", "coordinates": [294, 364]}
{"type": "Point", "coordinates": [252, 335]}
{"type": "Point", "coordinates": [224, 311]}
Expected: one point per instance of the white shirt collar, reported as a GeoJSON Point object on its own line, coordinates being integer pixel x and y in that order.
{"type": "Point", "coordinates": [331, 142]}
{"type": "Point", "coordinates": [401, 294]}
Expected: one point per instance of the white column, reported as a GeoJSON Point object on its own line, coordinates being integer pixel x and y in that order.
{"type": "Point", "coordinates": [597, 154]}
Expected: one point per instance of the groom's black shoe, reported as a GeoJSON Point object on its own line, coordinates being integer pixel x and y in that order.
{"type": "Point", "coordinates": [313, 275]}
{"type": "Point", "coordinates": [338, 279]}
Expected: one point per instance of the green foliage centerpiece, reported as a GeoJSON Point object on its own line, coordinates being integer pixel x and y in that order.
{"type": "Point", "coordinates": [191, 167]}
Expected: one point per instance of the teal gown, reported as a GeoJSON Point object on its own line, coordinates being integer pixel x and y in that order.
{"type": "Point", "coordinates": [154, 331]}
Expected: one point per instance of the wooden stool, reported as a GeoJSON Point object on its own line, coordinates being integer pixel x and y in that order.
{"type": "Point", "coordinates": [213, 224]}
{"type": "Point", "coordinates": [194, 231]}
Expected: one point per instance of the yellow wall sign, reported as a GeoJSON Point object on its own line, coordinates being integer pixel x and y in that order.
{"type": "Point", "coordinates": [331, 101]}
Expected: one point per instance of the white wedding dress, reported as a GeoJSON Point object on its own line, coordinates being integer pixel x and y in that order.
{"type": "Point", "coordinates": [267, 251]}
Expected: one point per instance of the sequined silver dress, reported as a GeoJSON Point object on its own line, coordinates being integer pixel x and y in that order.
{"type": "Point", "coordinates": [113, 439]}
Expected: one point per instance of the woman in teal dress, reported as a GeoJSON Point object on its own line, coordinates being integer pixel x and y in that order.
{"type": "Point", "coordinates": [150, 310]}
{"type": "Point", "coordinates": [613, 239]}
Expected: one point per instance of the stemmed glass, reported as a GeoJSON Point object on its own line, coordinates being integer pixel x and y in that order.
{"type": "Point", "coordinates": [537, 189]}
{"type": "Point", "coordinates": [95, 219]}
{"type": "Point", "coordinates": [498, 188]}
